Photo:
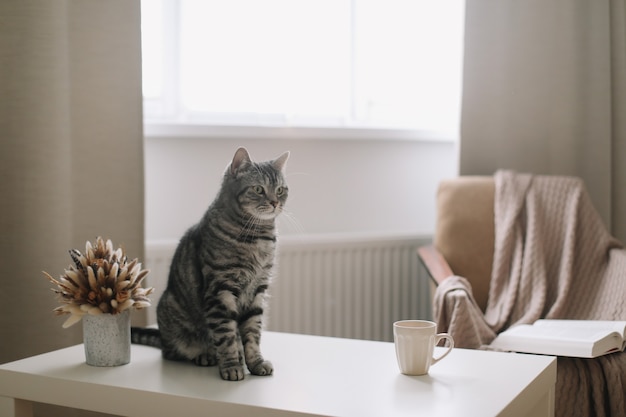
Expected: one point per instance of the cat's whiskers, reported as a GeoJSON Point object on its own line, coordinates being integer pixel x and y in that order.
{"type": "Point", "coordinates": [292, 220]}
{"type": "Point", "coordinates": [251, 223]}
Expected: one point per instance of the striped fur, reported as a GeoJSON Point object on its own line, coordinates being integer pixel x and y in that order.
{"type": "Point", "coordinates": [211, 311]}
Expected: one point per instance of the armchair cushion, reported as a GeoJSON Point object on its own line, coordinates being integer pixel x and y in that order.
{"type": "Point", "coordinates": [464, 233]}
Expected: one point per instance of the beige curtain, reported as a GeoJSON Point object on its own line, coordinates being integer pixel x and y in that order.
{"type": "Point", "coordinates": [71, 152]}
{"type": "Point", "coordinates": [545, 92]}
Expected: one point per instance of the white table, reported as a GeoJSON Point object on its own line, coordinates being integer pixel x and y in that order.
{"type": "Point", "coordinates": [313, 376]}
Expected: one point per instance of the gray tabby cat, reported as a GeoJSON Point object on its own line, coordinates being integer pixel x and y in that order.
{"type": "Point", "coordinates": [211, 311]}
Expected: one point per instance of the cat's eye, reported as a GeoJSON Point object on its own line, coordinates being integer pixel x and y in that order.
{"type": "Point", "coordinates": [258, 189]}
{"type": "Point", "coordinates": [280, 191]}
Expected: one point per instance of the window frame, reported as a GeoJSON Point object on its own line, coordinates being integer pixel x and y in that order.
{"type": "Point", "coordinates": [169, 122]}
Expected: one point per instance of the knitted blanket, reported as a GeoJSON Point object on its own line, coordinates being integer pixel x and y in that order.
{"type": "Point", "coordinates": [555, 259]}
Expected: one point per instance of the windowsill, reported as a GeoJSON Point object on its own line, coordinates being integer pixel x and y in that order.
{"type": "Point", "coordinates": [180, 130]}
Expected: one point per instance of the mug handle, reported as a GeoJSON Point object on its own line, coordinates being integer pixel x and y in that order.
{"type": "Point", "coordinates": [438, 338]}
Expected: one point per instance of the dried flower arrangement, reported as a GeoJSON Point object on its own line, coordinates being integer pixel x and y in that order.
{"type": "Point", "coordinates": [100, 281]}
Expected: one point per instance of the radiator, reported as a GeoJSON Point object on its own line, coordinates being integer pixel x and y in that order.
{"type": "Point", "coordinates": [341, 286]}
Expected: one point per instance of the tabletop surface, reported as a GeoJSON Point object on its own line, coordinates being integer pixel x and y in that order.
{"type": "Point", "coordinates": [313, 375]}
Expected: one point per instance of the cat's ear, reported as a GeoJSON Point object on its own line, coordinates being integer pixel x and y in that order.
{"type": "Point", "coordinates": [280, 162]}
{"type": "Point", "coordinates": [241, 158]}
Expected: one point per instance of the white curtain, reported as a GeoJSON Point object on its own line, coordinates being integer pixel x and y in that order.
{"type": "Point", "coordinates": [71, 152]}
{"type": "Point", "coordinates": [545, 92]}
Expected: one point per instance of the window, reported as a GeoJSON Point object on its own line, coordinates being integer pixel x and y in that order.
{"type": "Point", "coordinates": [338, 64]}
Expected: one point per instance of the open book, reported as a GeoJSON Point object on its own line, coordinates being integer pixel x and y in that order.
{"type": "Point", "coordinates": [576, 338]}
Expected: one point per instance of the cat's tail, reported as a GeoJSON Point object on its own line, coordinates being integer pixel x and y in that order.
{"type": "Point", "coordinates": [146, 336]}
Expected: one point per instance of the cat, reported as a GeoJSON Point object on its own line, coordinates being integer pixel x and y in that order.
{"type": "Point", "coordinates": [211, 310]}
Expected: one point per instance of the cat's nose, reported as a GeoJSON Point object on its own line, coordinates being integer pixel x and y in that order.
{"type": "Point", "coordinates": [274, 203]}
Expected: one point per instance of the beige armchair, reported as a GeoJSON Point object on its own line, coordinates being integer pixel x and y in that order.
{"type": "Point", "coordinates": [565, 265]}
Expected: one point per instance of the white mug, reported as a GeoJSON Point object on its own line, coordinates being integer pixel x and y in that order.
{"type": "Point", "coordinates": [415, 342]}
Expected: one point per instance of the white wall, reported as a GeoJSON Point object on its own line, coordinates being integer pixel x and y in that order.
{"type": "Point", "coordinates": [339, 186]}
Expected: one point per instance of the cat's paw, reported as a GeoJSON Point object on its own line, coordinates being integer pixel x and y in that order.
{"type": "Point", "coordinates": [205, 360]}
{"type": "Point", "coordinates": [232, 373]}
{"type": "Point", "coordinates": [262, 368]}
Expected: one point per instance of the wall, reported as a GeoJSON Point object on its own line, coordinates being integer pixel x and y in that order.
{"type": "Point", "coordinates": [335, 186]}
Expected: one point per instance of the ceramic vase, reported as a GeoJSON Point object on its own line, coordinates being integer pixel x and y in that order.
{"type": "Point", "coordinates": [107, 339]}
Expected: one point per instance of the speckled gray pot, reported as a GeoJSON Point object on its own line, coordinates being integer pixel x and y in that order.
{"type": "Point", "coordinates": [107, 339]}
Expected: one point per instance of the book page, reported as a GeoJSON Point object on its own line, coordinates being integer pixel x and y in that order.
{"type": "Point", "coordinates": [608, 325]}
{"type": "Point", "coordinates": [571, 334]}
